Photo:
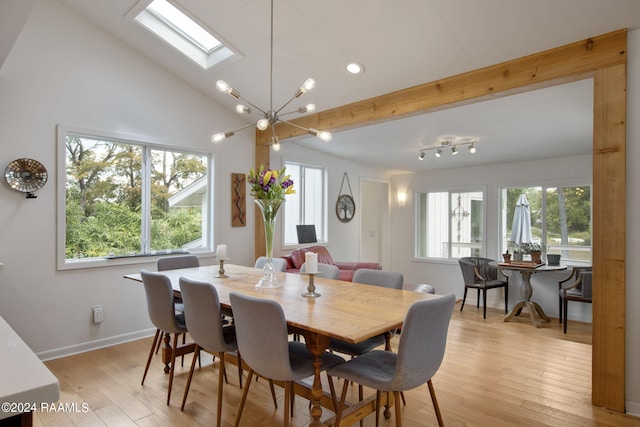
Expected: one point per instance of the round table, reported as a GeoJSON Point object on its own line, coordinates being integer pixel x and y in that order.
{"type": "Point", "coordinates": [536, 312]}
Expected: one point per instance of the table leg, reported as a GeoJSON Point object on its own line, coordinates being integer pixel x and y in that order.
{"type": "Point", "coordinates": [317, 345]}
{"type": "Point", "coordinates": [536, 312]}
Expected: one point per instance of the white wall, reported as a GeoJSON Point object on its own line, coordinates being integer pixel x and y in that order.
{"type": "Point", "coordinates": [63, 70]}
{"type": "Point", "coordinates": [445, 275]}
{"type": "Point", "coordinates": [344, 238]}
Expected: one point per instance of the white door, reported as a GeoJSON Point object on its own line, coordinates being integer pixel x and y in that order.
{"type": "Point", "coordinates": [374, 228]}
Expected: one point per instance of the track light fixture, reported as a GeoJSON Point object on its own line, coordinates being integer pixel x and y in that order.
{"type": "Point", "coordinates": [452, 144]}
{"type": "Point", "coordinates": [271, 116]}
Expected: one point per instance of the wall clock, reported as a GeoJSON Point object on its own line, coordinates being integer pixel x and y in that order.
{"type": "Point", "coordinates": [26, 175]}
{"type": "Point", "coordinates": [345, 206]}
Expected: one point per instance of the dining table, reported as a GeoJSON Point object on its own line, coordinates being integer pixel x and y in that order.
{"type": "Point", "coordinates": [526, 270]}
{"type": "Point", "coordinates": [348, 311]}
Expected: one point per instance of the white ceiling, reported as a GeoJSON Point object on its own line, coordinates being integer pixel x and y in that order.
{"type": "Point", "coordinates": [402, 44]}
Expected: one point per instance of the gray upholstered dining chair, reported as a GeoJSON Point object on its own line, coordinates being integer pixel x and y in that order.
{"type": "Point", "coordinates": [261, 324]}
{"type": "Point", "coordinates": [382, 278]}
{"type": "Point", "coordinates": [327, 271]}
{"type": "Point", "coordinates": [204, 321]}
{"type": "Point", "coordinates": [163, 315]}
{"type": "Point", "coordinates": [580, 291]}
{"type": "Point", "coordinates": [175, 262]}
{"type": "Point", "coordinates": [420, 353]}
{"type": "Point", "coordinates": [279, 264]}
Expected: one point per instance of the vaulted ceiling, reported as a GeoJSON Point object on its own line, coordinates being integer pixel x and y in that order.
{"type": "Point", "coordinates": [401, 44]}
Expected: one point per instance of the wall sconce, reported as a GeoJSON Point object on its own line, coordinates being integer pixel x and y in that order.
{"type": "Point", "coordinates": [402, 197]}
{"type": "Point", "coordinates": [449, 144]}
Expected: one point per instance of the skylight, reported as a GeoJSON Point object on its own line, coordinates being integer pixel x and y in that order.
{"type": "Point", "coordinates": [183, 33]}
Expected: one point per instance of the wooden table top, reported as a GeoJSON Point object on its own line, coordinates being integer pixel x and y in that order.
{"type": "Point", "coordinates": [349, 311]}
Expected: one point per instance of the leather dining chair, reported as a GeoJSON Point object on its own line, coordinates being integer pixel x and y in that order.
{"type": "Point", "coordinates": [580, 291]}
{"type": "Point", "coordinates": [478, 274]}
{"type": "Point", "coordinates": [163, 315]}
{"type": "Point", "coordinates": [326, 271]}
{"type": "Point", "coordinates": [261, 324]}
{"type": "Point", "coordinates": [204, 321]}
{"type": "Point", "coordinates": [420, 353]}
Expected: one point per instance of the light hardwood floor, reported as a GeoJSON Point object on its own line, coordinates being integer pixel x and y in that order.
{"type": "Point", "coordinates": [493, 374]}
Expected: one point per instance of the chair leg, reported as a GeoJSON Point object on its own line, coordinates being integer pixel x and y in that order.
{"type": "Point", "coordinates": [343, 397]}
{"type": "Point", "coordinates": [196, 353]}
{"type": "Point", "coordinates": [243, 399]}
{"type": "Point", "coordinates": [378, 393]}
{"type": "Point", "coordinates": [332, 388]}
{"type": "Point", "coordinates": [173, 365]}
{"type": "Point", "coordinates": [559, 304]}
{"type": "Point", "coordinates": [153, 346]}
{"type": "Point", "coordinates": [273, 393]}
{"type": "Point", "coordinates": [360, 397]}
{"type": "Point", "coordinates": [239, 369]}
{"type": "Point", "coordinates": [506, 298]}
{"type": "Point", "coordinates": [464, 298]}
{"type": "Point", "coordinates": [158, 346]}
{"type": "Point", "coordinates": [565, 318]}
{"type": "Point", "coordinates": [220, 387]}
{"type": "Point", "coordinates": [287, 398]}
{"type": "Point", "coordinates": [432, 392]}
{"type": "Point", "coordinates": [484, 303]}
{"type": "Point", "coordinates": [478, 299]}
{"type": "Point", "coordinates": [396, 399]}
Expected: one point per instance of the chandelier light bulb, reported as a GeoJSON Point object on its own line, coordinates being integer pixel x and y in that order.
{"type": "Point", "coordinates": [438, 152]}
{"type": "Point", "coordinates": [309, 108]}
{"type": "Point", "coordinates": [223, 86]}
{"type": "Point", "coordinates": [306, 87]}
{"type": "Point", "coordinates": [218, 137]}
{"type": "Point", "coordinates": [324, 136]}
{"type": "Point", "coordinates": [421, 155]}
{"type": "Point", "coordinates": [241, 109]}
{"type": "Point", "coordinates": [262, 124]}
{"type": "Point", "coordinates": [454, 150]}
{"type": "Point", "coordinates": [275, 146]}
{"type": "Point", "coordinates": [472, 148]}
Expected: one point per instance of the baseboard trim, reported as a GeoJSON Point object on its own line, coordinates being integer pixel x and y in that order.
{"type": "Point", "coordinates": [633, 408]}
{"type": "Point", "coordinates": [94, 345]}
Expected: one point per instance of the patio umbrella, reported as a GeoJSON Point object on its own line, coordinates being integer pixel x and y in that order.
{"type": "Point", "coordinates": [521, 227]}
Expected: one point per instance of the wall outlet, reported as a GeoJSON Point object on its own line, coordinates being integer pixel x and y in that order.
{"type": "Point", "coordinates": [98, 313]}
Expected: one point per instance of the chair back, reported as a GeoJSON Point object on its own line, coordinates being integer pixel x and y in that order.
{"type": "Point", "coordinates": [422, 342]}
{"type": "Point", "coordinates": [472, 265]}
{"type": "Point", "coordinates": [327, 271]}
{"type": "Point", "coordinates": [585, 278]}
{"type": "Point", "coordinates": [203, 315]}
{"type": "Point", "coordinates": [175, 262]}
{"type": "Point", "coordinates": [160, 305]}
{"type": "Point", "coordinates": [382, 278]}
{"type": "Point", "coordinates": [261, 331]}
{"type": "Point", "coordinates": [279, 264]}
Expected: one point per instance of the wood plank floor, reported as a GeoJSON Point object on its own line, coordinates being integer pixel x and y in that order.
{"type": "Point", "coordinates": [493, 374]}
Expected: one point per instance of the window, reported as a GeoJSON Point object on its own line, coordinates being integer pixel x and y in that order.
{"type": "Point", "coordinates": [560, 219]}
{"type": "Point", "coordinates": [125, 198]}
{"type": "Point", "coordinates": [449, 224]}
{"type": "Point", "coordinates": [183, 33]}
{"type": "Point", "coordinates": [308, 206]}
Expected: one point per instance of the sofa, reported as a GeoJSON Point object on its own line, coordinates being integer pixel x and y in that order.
{"type": "Point", "coordinates": [296, 258]}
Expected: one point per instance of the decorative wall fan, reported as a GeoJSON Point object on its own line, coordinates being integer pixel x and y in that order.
{"type": "Point", "coordinates": [26, 175]}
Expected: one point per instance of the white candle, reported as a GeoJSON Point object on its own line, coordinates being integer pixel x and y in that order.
{"type": "Point", "coordinates": [221, 251]}
{"type": "Point", "coordinates": [311, 262]}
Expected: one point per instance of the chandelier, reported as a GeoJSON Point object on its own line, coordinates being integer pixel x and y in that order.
{"type": "Point", "coordinates": [271, 116]}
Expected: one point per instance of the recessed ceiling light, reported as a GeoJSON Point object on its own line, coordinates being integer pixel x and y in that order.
{"type": "Point", "coordinates": [355, 68]}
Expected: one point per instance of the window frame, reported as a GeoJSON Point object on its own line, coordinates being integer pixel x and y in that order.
{"type": "Point", "coordinates": [322, 237]}
{"type": "Point", "coordinates": [449, 190]}
{"type": "Point", "coordinates": [543, 217]}
{"type": "Point", "coordinates": [145, 142]}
